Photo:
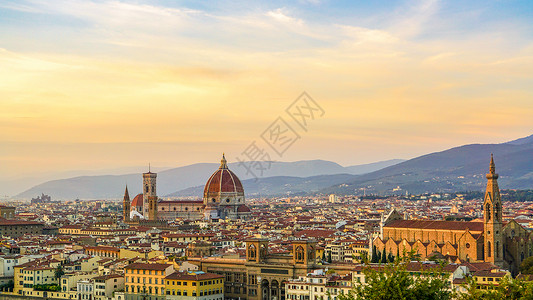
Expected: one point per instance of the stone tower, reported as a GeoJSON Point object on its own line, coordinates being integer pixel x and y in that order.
{"type": "Point", "coordinates": [126, 206]}
{"type": "Point", "coordinates": [492, 218]}
{"type": "Point", "coordinates": [149, 192]}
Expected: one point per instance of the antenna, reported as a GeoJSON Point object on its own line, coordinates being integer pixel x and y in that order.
{"type": "Point", "coordinates": [149, 168]}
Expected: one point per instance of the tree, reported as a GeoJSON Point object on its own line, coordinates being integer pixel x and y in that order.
{"type": "Point", "coordinates": [526, 267]}
{"type": "Point", "coordinates": [393, 281]}
{"type": "Point", "coordinates": [507, 289]}
{"type": "Point", "coordinates": [384, 257]}
{"type": "Point", "coordinates": [59, 272]}
{"type": "Point", "coordinates": [363, 257]}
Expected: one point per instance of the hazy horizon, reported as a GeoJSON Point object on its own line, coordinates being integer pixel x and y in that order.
{"type": "Point", "coordinates": [99, 85]}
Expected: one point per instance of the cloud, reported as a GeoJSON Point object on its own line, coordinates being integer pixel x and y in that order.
{"type": "Point", "coordinates": [140, 72]}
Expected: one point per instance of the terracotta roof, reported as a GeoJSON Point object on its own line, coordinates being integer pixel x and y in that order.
{"type": "Point", "coordinates": [7, 222]}
{"type": "Point", "coordinates": [193, 276]}
{"type": "Point", "coordinates": [243, 208]}
{"type": "Point", "coordinates": [223, 181]}
{"type": "Point", "coordinates": [137, 201]}
{"type": "Point", "coordinates": [143, 266]}
{"type": "Point", "coordinates": [314, 233]}
{"type": "Point", "coordinates": [444, 225]}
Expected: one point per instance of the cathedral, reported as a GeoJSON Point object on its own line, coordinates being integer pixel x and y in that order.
{"type": "Point", "coordinates": [505, 244]}
{"type": "Point", "coordinates": [223, 199]}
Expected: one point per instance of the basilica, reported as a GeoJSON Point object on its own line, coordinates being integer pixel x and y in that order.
{"type": "Point", "coordinates": [223, 198]}
{"type": "Point", "coordinates": [503, 243]}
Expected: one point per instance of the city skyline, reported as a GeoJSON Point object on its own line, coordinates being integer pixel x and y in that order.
{"type": "Point", "coordinates": [111, 84]}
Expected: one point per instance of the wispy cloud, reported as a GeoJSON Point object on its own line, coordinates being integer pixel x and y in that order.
{"type": "Point", "coordinates": [119, 71]}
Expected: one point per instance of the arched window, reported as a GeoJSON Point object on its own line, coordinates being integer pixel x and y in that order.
{"type": "Point", "coordinates": [497, 249]}
{"type": "Point", "coordinates": [300, 254]}
{"type": "Point", "coordinates": [497, 209]}
{"type": "Point", "coordinates": [252, 251]}
{"type": "Point", "coordinates": [487, 211]}
{"type": "Point", "coordinates": [488, 249]}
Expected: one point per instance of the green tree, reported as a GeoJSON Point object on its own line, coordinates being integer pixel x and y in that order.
{"type": "Point", "coordinates": [393, 281]}
{"type": "Point", "coordinates": [59, 272]}
{"type": "Point", "coordinates": [508, 288]}
{"type": "Point", "coordinates": [384, 257]}
{"type": "Point", "coordinates": [526, 267]}
{"type": "Point", "coordinates": [375, 255]}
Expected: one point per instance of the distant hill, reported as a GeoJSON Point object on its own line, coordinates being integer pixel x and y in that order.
{"type": "Point", "coordinates": [176, 179]}
{"type": "Point", "coordinates": [277, 186]}
{"type": "Point", "coordinates": [367, 168]}
{"type": "Point", "coordinates": [522, 141]}
{"type": "Point", "coordinates": [457, 169]}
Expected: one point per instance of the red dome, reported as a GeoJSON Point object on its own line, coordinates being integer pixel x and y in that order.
{"type": "Point", "coordinates": [137, 201]}
{"type": "Point", "coordinates": [222, 181]}
{"type": "Point", "coordinates": [243, 209]}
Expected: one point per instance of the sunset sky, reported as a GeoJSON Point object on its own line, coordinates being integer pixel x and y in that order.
{"type": "Point", "coordinates": [95, 85]}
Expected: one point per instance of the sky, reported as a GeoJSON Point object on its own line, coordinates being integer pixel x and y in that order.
{"type": "Point", "coordinates": [101, 85]}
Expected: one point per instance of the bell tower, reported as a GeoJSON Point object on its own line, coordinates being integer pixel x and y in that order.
{"type": "Point", "coordinates": [126, 206]}
{"type": "Point", "coordinates": [492, 218]}
{"type": "Point", "coordinates": [149, 191]}
{"type": "Point", "coordinates": [304, 252]}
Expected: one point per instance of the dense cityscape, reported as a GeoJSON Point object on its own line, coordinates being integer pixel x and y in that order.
{"type": "Point", "coordinates": [266, 150]}
{"type": "Point", "coordinates": [227, 247]}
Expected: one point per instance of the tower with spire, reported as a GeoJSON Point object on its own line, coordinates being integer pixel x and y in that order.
{"type": "Point", "coordinates": [126, 206]}
{"type": "Point", "coordinates": [492, 218]}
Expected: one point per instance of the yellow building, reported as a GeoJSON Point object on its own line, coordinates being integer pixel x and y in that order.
{"type": "Point", "coordinates": [32, 273]}
{"type": "Point", "coordinates": [489, 278]}
{"type": "Point", "coordinates": [142, 279]}
{"type": "Point", "coordinates": [194, 285]}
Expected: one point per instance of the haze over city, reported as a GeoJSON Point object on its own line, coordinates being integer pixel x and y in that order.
{"type": "Point", "coordinates": [102, 85]}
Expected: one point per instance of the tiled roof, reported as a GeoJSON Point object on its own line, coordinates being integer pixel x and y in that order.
{"type": "Point", "coordinates": [143, 266]}
{"type": "Point", "coordinates": [137, 201]}
{"type": "Point", "coordinates": [443, 225]}
{"type": "Point", "coordinates": [193, 276]}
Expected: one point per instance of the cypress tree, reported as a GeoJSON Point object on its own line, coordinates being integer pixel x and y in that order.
{"type": "Point", "coordinates": [384, 257]}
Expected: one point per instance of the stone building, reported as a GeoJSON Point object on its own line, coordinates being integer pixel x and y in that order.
{"type": "Point", "coordinates": [505, 244]}
{"type": "Point", "coordinates": [223, 198]}
{"type": "Point", "coordinates": [261, 275]}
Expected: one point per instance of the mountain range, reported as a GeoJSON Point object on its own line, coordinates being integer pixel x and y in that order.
{"type": "Point", "coordinates": [177, 179]}
{"type": "Point", "coordinates": [457, 169]}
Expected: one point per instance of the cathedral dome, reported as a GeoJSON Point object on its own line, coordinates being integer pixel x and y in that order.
{"type": "Point", "coordinates": [137, 201]}
{"type": "Point", "coordinates": [243, 209]}
{"type": "Point", "coordinates": [223, 183]}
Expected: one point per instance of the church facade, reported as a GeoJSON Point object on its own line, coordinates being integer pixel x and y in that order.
{"type": "Point", "coordinates": [223, 198]}
{"type": "Point", "coordinates": [505, 244]}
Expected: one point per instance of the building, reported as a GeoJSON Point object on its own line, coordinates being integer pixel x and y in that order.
{"type": "Point", "coordinates": [261, 275]}
{"type": "Point", "coordinates": [505, 244]}
{"type": "Point", "coordinates": [7, 212]}
{"type": "Point", "coordinates": [223, 197]}
{"type": "Point", "coordinates": [16, 228]}
{"type": "Point", "coordinates": [194, 285]}
{"type": "Point", "coordinates": [319, 285]}
{"type": "Point", "coordinates": [142, 279]}
{"type": "Point", "coordinates": [105, 285]}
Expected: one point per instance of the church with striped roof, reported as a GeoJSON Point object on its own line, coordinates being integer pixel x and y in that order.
{"type": "Point", "coordinates": [503, 243]}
